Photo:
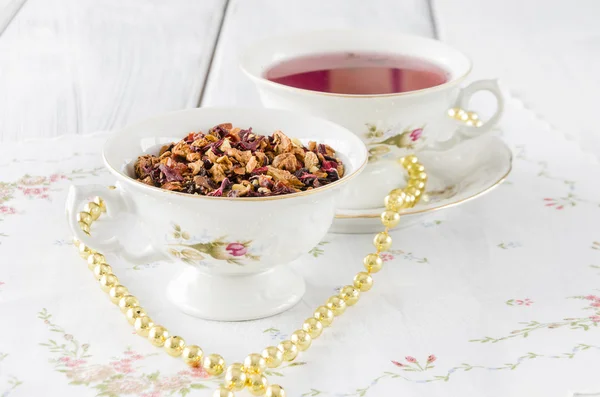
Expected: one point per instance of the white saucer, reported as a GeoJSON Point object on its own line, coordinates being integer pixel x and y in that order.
{"type": "Point", "coordinates": [455, 176]}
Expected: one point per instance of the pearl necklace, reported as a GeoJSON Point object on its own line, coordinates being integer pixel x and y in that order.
{"type": "Point", "coordinates": [249, 374]}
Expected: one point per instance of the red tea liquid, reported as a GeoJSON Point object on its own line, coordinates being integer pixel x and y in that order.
{"type": "Point", "coordinates": [358, 73]}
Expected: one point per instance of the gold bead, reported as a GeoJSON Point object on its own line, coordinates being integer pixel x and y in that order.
{"type": "Point", "coordinates": [414, 168]}
{"type": "Point", "coordinates": [410, 159]}
{"type": "Point", "coordinates": [350, 295]}
{"type": "Point", "coordinates": [337, 305]}
{"type": "Point", "coordinates": [373, 263]}
{"type": "Point", "coordinates": [313, 327]}
{"type": "Point", "coordinates": [302, 339]}
{"type": "Point", "coordinates": [273, 356]}
{"type": "Point", "coordinates": [93, 209]}
{"type": "Point", "coordinates": [158, 335]}
{"type": "Point", "coordinates": [192, 355]}
{"type": "Point", "coordinates": [275, 391]}
{"type": "Point", "coordinates": [289, 350]}
{"type": "Point", "coordinates": [76, 243]}
{"type": "Point", "coordinates": [95, 259]}
{"type": "Point", "coordinates": [101, 269]}
{"type": "Point", "coordinates": [84, 217]}
{"type": "Point", "coordinates": [395, 201]}
{"type": "Point", "coordinates": [101, 203]}
{"type": "Point", "coordinates": [422, 176]}
{"type": "Point", "coordinates": [213, 364]}
{"type": "Point", "coordinates": [363, 281]}
{"type": "Point", "coordinates": [454, 112]}
{"type": "Point", "coordinates": [390, 218]}
{"type": "Point", "coordinates": [254, 364]}
{"type": "Point", "coordinates": [174, 345]}
{"type": "Point", "coordinates": [128, 301]}
{"type": "Point", "coordinates": [409, 201]}
{"type": "Point", "coordinates": [223, 392]}
{"type": "Point", "coordinates": [324, 315]}
{"type": "Point", "coordinates": [382, 241]}
{"type": "Point", "coordinates": [414, 191]}
{"type": "Point", "coordinates": [235, 377]}
{"type": "Point", "coordinates": [117, 292]}
{"type": "Point", "coordinates": [142, 325]}
{"type": "Point", "coordinates": [107, 281]}
{"type": "Point", "coordinates": [85, 227]}
{"type": "Point", "coordinates": [133, 313]}
{"type": "Point", "coordinates": [85, 251]}
{"type": "Point", "coordinates": [417, 184]}
{"type": "Point", "coordinates": [257, 384]}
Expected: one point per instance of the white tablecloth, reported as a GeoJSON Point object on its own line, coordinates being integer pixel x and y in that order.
{"type": "Point", "coordinates": [497, 297]}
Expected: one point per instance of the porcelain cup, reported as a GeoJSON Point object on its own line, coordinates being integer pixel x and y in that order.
{"type": "Point", "coordinates": [390, 125]}
{"type": "Point", "coordinates": [235, 250]}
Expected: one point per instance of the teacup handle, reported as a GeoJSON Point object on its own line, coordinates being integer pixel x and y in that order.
{"type": "Point", "coordinates": [462, 102]}
{"type": "Point", "coordinates": [116, 203]}
{"type": "Point", "coordinates": [469, 127]}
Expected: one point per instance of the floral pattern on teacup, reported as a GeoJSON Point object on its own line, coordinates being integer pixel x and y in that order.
{"type": "Point", "coordinates": [194, 253]}
{"type": "Point", "coordinates": [381, 141]}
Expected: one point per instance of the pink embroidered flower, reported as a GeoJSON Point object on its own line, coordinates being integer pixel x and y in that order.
{"type": "Point", "coordinates": [173, 383]}
{"type": "Point", "coordinates": [68, 337]}
{"type": "Point", "coordinates": [236, 249]}
{"type": "Point", "coordinates": [75, 363]}
{"type": "Point", "coordinates": [416, 134]}
{"type": "Point", "coordinates": [431, 359]}
{"type": "Point", "coordinates": [397, 364]}
{"type": "Point", "coordinates": [64, 359]}
{"type": "Point", "coordinates": [29, 180]}
{"type": "Point", "coordinates": [595, 304]}
{"type": "Point", "coordinates": [5, 210]}
{"type": "Point", "coordinates": [56, 177]}
{"type": "Point", "coordinates": [595, 319]}
{"type": "Point", "coordinates": [525, 302]}
{"type": "Point", "coordinates": [90, 374]}
{"type": "Point", "coordinates": [592, 298]}
{"type": "Point", "coordinates": [198, 372]}
{"type": "Point", "coordinates": [125, 386]}
{"type": "Point", "coordinates": [137, 356]}
{"type": "Point", "coordinates": [411, 359]}
{"type": "Point", "coordinates": [151, 394]}
{"type": "Point", "coordinates": [2, 283]}
{"type": "Point", "coordinates": [386, 257]}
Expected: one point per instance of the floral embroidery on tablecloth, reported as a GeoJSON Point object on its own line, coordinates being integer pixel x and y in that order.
{"type": "Point", "coordinates": [124, 375]}
{"type": "Point", "coordinates": [10, 383]}
{"type": "Point", "coordinates": [519, 302]}
{"type": "Point", "coordinates": [318, 250]}
{"type": "Point", "coordinates": [409, 256]}
{"type": "Point", "coordinates": [37, 187]}
{"type": "Point", "coordinates": [509, 245]}
{"type": "Point", "coordinates": [413, 365]}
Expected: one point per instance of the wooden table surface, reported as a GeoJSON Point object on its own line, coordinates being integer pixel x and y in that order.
{"type": "Point", "coordinates": [79, 66]}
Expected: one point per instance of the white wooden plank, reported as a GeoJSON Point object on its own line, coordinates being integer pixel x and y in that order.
{"type": "Point", "coordinates": [249, 20]}
{"type": "Point", "coordinates": [75, 66]}
{"type": "Point", "coordinates": [547, 53]}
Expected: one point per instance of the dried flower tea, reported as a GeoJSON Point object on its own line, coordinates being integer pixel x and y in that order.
{"type": "Point", "coordinates": [235, 162]}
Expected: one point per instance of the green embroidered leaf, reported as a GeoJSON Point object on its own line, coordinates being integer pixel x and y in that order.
{"type": "Point", "coordinates": [295, 364]}
{"type": "Point", "coordinates": [273, 373]}
{"type": "Point", "coordinates": [198, 386]}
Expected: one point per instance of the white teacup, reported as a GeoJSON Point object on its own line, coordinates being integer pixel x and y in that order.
{"type": "Point", "coordinates": [390, 125]}
{"type": "Point", "coordinates": [235, 248]}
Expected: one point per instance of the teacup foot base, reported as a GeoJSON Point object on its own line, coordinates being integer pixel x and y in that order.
{"type": "Point", "coordinates": [235, 298]}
